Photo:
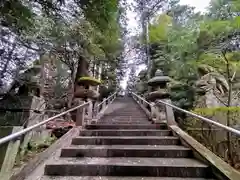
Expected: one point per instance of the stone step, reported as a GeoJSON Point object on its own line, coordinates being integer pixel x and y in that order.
{"type": "Point", "coordinates": [126, 118]}
{"type": "Point", "coordinates": [163, 167]}
{"type": "Point", "coordinates": [124, 122]}
{"type": "Point", "coordinates": [132, 114]}
{"type": "Point", "coordinates": [125, 132]}
{"type": "Point", "coordinates": [128, 111]}
{"type": "Point", "coordinates": [126, 126]}
{"type": "Point", "coordinates": [115, 178]}
{"type": "Point", "coordinates": [126, 140]}
{"type": "Point", "coordinates": [127, 151]}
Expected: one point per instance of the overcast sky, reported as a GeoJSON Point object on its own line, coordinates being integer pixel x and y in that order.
{"type": "Point", "coordinates": [200, 5]}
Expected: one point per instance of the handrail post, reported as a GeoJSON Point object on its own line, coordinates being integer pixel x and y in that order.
{"type": "Point", "coordinates": [104, 104]}
{"type": "Point", "coordinates": [160, 113]}
{"type": "Point", "coordinates": [153, 111]}
{"type": "Point", "coordinates": [108, 101]}
{"type": "Point", "coordinates": [169, 113]}
{"type": "Point", "coordinates": [157, 114]}
{"type": "Point", "coordinates": [90, 110]}
{"type": "Point", "coordinates": [80, 115]}
{"type": "Point", "coordinates": [96, 110]}
{"type": "Point", "coordinates": [100, 109]}
{"type": "Point", "coordinates": [9, 152]}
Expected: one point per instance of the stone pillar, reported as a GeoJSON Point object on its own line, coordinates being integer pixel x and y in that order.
{"type": "Point", "coordinates": [90, 109]}
{"type": "Point", "coordinates": [80, 115]}
{"type": "Point", "coordinates": [104, 104]}
{"type": "Point", "coordinates": [109, 101]}
{"type": "Point", "coordinates": [96, 110]}
{"type": "Point", "coordinates": [24, 110]}
{"type": "Point", "coordinates": [155, 113]}
{"type": "Point", "coordinates": [8, 151]}
{"type": "Point", "coordinates": [161, 113]}
{"type": "Point", "coordinates": [170, 114]}
{"type": "Point", "coordinates": [35, 115]}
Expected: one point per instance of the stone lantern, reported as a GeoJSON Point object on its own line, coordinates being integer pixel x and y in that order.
{"type": "Point", "coordinates": [85, 92]}
{"type": "Point", "coordinates": [159, 91]}
{"type": "Point", "coordinates": [20, 108]}
{"type": "Point", "coordinates": [84, 88]}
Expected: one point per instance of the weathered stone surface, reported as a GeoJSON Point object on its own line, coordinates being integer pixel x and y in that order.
{"type": "Point", "coordinates": [110, 152]}
{"type": "Point", "coordinates": [117, 178]}
{"type": "Point", "coordinates": [160, 94]}
{"type": "Point", "coordinates": [131, 140]}
{"type": "Point", "coordinates": [25, 110]}
{"type": "Point", "coordinates": [126, 126]}
{"type": "Point", "coordinates": [166, 167]}
{"type": "Point", "coordinates": [128, 132]}
{"type": "Point", "coordinates": [86, 93]}
{"type": "Point", "coordinates": [25, 171]}
{"type": "Point", "coordinates": [16, 111]}
{"type": "Point", "coordinates": [223, 169]}
{"type": "Point", "coordinates": [8, 152]}
{"type": "Point", "coordinates": [211, 86]}
{"type": "Point", "coordinates": [127, 151]}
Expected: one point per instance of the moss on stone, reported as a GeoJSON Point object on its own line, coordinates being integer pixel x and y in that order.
{"type": "Point", "coordinates": [89, 81]}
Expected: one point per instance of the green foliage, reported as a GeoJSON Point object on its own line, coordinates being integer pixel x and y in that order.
{"type": "Point", "coordinates": [213, 111]}
{"type": "Point", "coordinates": [159, 28]}
{"type": "Point", "coordinates": [183, 40]}
{"type": "Point", "coordinates": [15, 14]}
{"type": "Point", "coordinates": [201, 52]}
{"type": "Point", "coordinates": [65, 31]}
{"type": "Point", "coordinates": [182, 95]}
{"type": "Point", "coordinates": [211, 136]}
{"type": "Point", "coordinates": [101, 13]}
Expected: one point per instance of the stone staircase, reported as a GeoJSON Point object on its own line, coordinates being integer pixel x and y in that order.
{"type": "Point", "coordinates": [124, 145]}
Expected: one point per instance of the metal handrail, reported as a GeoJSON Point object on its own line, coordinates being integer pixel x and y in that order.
{"type": "Point", "coordinates": [139, 97]}
{"type": "Point", "coordinates": [227, 128]}
{"type": "Point", "coordinates": [24, 131]}
{"type": "Point", "coordinates": [107, 99]}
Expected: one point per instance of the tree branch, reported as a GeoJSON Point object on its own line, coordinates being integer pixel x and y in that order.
{"type": "Point", "coordinates": [233, 76]}
{"type": "Point", "coordinates": [224, 103]}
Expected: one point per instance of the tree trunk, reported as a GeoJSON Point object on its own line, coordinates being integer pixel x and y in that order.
{"type": "Point", "coordinates": [229, 103]}
{"type": "Point", "coordinates": [42, 75]}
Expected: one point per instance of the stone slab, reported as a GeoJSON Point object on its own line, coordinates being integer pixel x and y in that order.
{"type": "Point", "coordinates": [127, 126]}
{"type": "Point", "coordinates": [127, 151]}
{"type": "Point", "coordinates": [123, 122]}
{"type": "Point", "coordinates": [125, 132]}
{"type": "Point", "coordinates": [164, 167]}
{"type": "Point", "coordinates": [127, 140]}
{"type": "Point", "coordinates": [116, 178]}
